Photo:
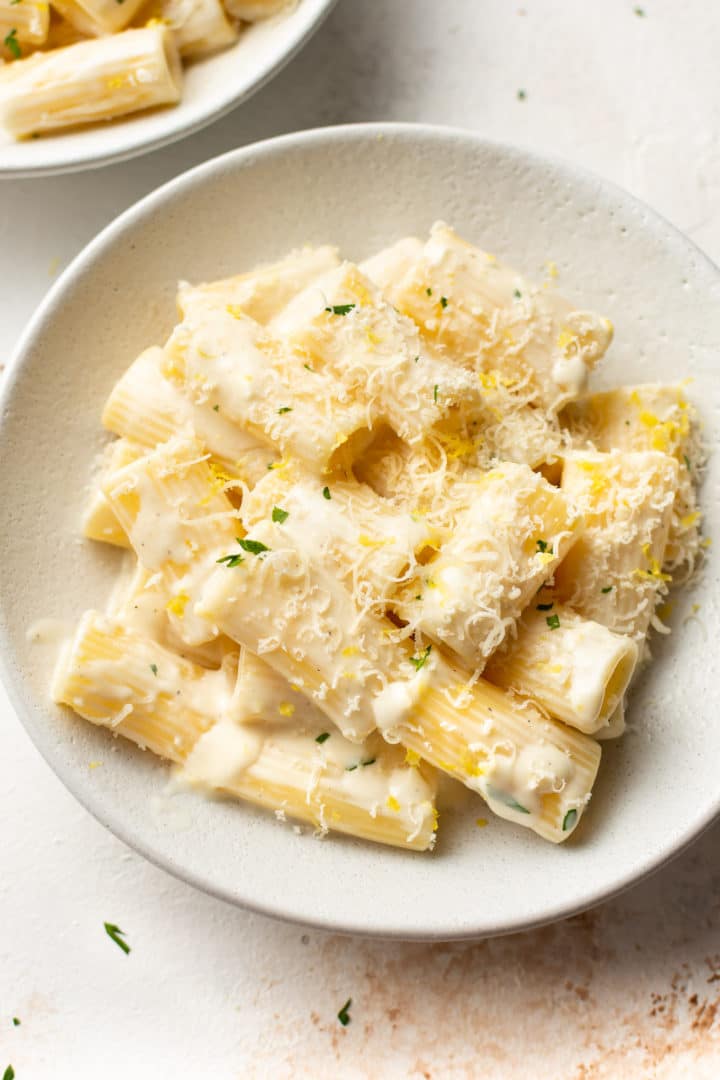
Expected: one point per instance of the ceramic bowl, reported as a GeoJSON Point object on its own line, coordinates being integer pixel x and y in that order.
{"type": "Point", "coordinates": [212, 86]}
{"type": "Point", "coordinates": [362, 187]}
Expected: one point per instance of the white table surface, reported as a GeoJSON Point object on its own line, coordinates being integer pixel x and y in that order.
{"type": "Point", "coordinates": [630, 989]}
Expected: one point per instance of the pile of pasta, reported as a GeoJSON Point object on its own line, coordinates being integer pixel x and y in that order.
{"type": "Point", "coordinates": [73, 62]}
{"type": "Point", "coordinates": [381, 532]}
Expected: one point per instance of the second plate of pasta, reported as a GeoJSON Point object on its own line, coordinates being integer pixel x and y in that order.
{"type": "Point", "coordinates": [393, 518]}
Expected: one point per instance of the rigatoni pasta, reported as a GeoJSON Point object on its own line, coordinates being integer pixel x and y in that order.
{"type": "Point", "coordinates": [379, 534]}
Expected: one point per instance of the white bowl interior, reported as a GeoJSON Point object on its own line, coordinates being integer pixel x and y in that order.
{"type": "Point", "coordinates": [361, 188]}
{"type": "Point", "coordinates": [212, 86]}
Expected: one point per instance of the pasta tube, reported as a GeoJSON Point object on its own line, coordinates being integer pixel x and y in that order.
{"type": "Point", "coordinates": [23, 25]}
{"type": "Point", "coordinates": [99, 521]}
{"type": "Point", "coordinates": [91, 81]}
{"type": "Point", "coordinates": [262, 292]}
{"type": "Point", "coordinates": [348, 330]}
{"type": "Point", "coordinates": [200, 26]}
{"type": "Point", "coordinates": [264, 387]}
{"type": "Point", "coordinates": [613, 574]}
{"type": "Point", "coordinates": [147, 406]}
{"type": "Point", "coordinates": [576, 669]}
{"type": "Point", "coordinates": [650, 417]}
{"type": "Point", "coordinates": [492, 320]}
{"type": "Point", "coordinates": [97, 17]}
{"type": "Point", "coordinates": [253, 10]}
{"type": "Point", "coordinates": [138, 689]}
{"type": "Point", "coordinates": [507, 541]}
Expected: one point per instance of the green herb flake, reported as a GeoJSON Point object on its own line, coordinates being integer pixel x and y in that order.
{"type": "Point", "coordinates": [340, 309]}
{"type": "Point", "coordinates": [233, 560]}
{"type": "Point", "coordinates": [429, 291]}
{"type": "Point", "coordinates": [326, 493]}
{"type": "Point", "coordinates": [420, 659]}
{"type": "Point", "coordinates": [569, 820]}
{"type": "Point", "coordinates": [308, 368]}
{"type": "Point", "coordinates": [117, 935]}
{"type": "Point", "coordinates": [16, 1021]}
{"type": "Point", "coordinates": [154, 669]}
{"type": "Point", "coordinates": [443, 301]}
{"type": "Point", "coordinates": [323, 737]}
{"type": "Point", "coordinates": [640, 12]}
{"type": "Point", "coordinates": [11, 42]}
{"type": "Point", "coordinates": [416, 359]}
{"type": "Point", "coordinates": [284, 409]}
{"type": "Point", "coordinates": [370, 762]}
{"type": "Point", "coordinates": [280, 515]}
{"type": "Point", "coordinates": [254, 547]}
{"type": "Point", "coordinates": [13, 2]}
{"type": "Point", "coordinates": [542, 545]}
{"type": "Point", "coordinates": [503, 797]}
{"type": "Point", "coordinates": [544, 607]}
{"type": "Point", "coordinates": [517, 294]}
{"type": "Point", "coordinates": [344, 1016]}
{"type": "Point", "coordinates": [419, 596]}
{"type": "Point", "coordinates": [522, 95]}
{"type": "Point", "coordinates": [351, 768]}
{"type": "Point", "coordinates": [216, 408]}
{"type": "Point", "coordinates": [553, 621]}
{"type": "Point", "coordinates": [435, 390]}
{"type": "Point", "coordinates": [9, 1073]}
{"type": "Point", "coordinates": [607, 589]}
{"type": "Point", "coordinates": [686, 459]}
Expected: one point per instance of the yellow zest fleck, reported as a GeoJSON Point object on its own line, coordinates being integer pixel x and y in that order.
{"type": "Point", "coordinates": [648, 419]}
{"type": "Point", "coordinates": [351, 650]}
{"type": "Point", "coordinates": [235, 310]}
{"type": "Point", "coordinates": [177, 604]}
{"type": "Point", "coordinates": [339, 440]}
{"type": "Point", "coordinates": [115, 82]}
{"type": "Point", "coordinates": [455, 446]}
{"type": "Point", "coordinates": [492, 259]}
{"type": "Point", "coordinates": [373, 338]}
{"type": "Point", "coordinates": [509, 336]}
{"type": "Point", "coordinates": [367, 541]}
{"type": "Point", "coordinates": [706, 542]}
{"type": "Point", "coordinates": [286, 708]}
{"type": "Point", "coordinates": [392, 803]}
{"type": "Point", "coordinates": [171, 371]}
{"type": "Point", "coordinates": [481, 822]}
{"type": "Point", "coordinates": [689, 519]}
{"type": "Point", "coordinates": [436, 819]}
{"type": "Point", "coordinates": [566, 338]}
{"type": "Point", "coordinates": [94, 764]}
{"type": "Point", "coordinates": [695, 608]}
{"type": "Point", "coordinates": [412, 758]}
{"type": "Point", "coordinates": [446, 765]}
{"type": "Point", "coordinates": [351, 675]}
{"type": "Point", "coordinates": [471, 766]}
{"type": "Point", "coordinates": [551, 268]}
{"type": "Point", "coordinates": [544, 557]}
{"type": "Point", "coordinates": [495, 474]}
{"type": "Point", "coordinates": [488, 380]}
{"type": "Point", "coordinates": [157, 21]}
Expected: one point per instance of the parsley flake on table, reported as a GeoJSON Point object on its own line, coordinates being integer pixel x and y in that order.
{"type": "Point", "coordinates": [343, 1015]}
{"type": "Point", "coordinates": [16, 1022]}
{"type": "Point", "coordinates": [116, 934]}
{"type": "Point", "coordinates": [9, 1073]}
{"type": "Point", "coordinates": [522, 95]}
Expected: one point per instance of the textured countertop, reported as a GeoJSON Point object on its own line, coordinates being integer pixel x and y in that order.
{"type": "Point", "coordinates": [631, 989]}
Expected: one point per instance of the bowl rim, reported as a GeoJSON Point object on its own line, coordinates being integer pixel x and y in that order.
{"type": "Point", "coordinates": [13, 681]}
{"type": "Point", "coordinates": [72, 164]}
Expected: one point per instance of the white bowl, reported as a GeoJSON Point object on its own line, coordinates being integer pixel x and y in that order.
{"type": "Point", "coordinates": [212, 87]}
{"type": "Point", "coordinates": [361, 187]}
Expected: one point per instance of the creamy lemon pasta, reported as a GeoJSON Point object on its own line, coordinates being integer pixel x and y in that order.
{"type": "Point", "coordinates": [377, 529]}
{"type": "Point", "coordinates": [73, 62]}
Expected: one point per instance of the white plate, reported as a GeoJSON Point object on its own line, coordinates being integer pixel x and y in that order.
{"type": "Point", "coordinates": [212, 87]}
{"type": "Point", "coordinates": [361, 187]}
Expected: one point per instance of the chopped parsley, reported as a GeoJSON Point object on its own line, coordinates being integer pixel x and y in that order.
{"type": "Point", "coordinates": [284, 409]}
{"type": "Point", "coordinates": [420, 659]}
{"type": "Point", "coordinates": [11, 42]}
{"type": "Point", "coordinates": [308, 368]}
{"type": "Point", "coordinates": [429, 291]}
{"type": "Point", "coordinates": [340, 309]}
{"type": "Point", "coordinates": [640, 12]}
{"type": "Point", "coordinates": [542, 545]}
{"type": "Point", "coordinates": [569, 820]}
{"type": "Point", "coordinates": [363, 764]}
{"type": "Point", "coordinates": [686, 459]}
{"type": "Point", "coordinates": [233, 560]}
{"type": "Point", "coordinates": [322, 737]}
{"type": "Point", "coordinates": [16, 1022]}
{"type": "Point", "coordinates": [544, 607]}
{"type": "Point", "coordinates": [416, 359]}
{"type": "Point", "coordinates": [435, 390]}
{"type": "Point", "coordinates": [216, 408]}
{"type": "Point", "coordinates": [608, 588]}
{"type": "Point", "coordinates": [505, 799]}
{"type": "Point", "coordinates": [522, 95]}
{"type": "Point", "coordinates": [9, 1073]}
{"type": "Point", "coordinates": [518, 294]}
{"type": "Point", "coordinates": [117, 935]}
{"type": "Point", "coordinates": [326, 493]}
{"type": "Point", "coordinates": [344, 1016]}
{"type": "Point", "coordinates": [443, 301]}
{"type": "Point", "coordinates": [553, 621]}
{"type": "Point", "coordinates": [254, 547]}
{"type": "Point", "coordinates": [280, 515]}
{"type": "Point", "coordinates": [153, 668]}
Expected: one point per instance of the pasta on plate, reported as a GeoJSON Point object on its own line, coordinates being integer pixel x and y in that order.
{"type": "Point", "coordinates": [380, 531]}
{"type": "Point", "coordinates": [75, 62]}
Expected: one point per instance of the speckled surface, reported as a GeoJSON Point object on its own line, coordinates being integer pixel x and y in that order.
{"type": "Point", "coordinates": [630, 989]}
